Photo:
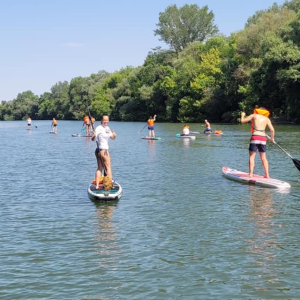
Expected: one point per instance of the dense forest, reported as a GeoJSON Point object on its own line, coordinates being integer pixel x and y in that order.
{"type": "Point", "coordinates": [202, 75]}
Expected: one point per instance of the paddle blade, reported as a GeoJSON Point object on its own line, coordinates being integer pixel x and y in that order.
{"type": "Point", "coordinates": [296, 163]}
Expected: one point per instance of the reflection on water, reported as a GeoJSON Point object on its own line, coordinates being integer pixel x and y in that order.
{"type": "Point", "coordinates": [151, 144]}
{"type": "Point", "coordinates": [186, 142]}
{"type": "Point", "coordinates": [263, 240]}
{"type": "Point", "coordinates": [106, 235]}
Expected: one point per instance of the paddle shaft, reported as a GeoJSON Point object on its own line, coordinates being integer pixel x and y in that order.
{"type": "Point", "coordinates": [295, 161]}
{"type": "Point", "coordinates": [289, 155]}
{"type": "Point", "coordinates": [143, 128]}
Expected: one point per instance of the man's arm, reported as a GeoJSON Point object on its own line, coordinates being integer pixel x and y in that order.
{"type": "Point", "coordinates": [94, 135]}
{"type": "Point", "coordinates": [113, 135]}
{"type": "Point", "coordinates": [247, 119]}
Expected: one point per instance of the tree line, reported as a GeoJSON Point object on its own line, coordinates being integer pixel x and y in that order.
{"type": "Point", "coordinates": [202, 75]}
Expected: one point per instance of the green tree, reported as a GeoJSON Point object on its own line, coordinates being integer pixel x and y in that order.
{"type": "Point", "coordinates": [179, 27]}
{"type": "Point", "coordinates": [60, 104]}
{"type": "Point", "coordinates": [25, 105]}
{"type": "Point", "coordinates": [46, 106]}
{"type": "Point", "coordinates": [292, 5]}
{"type": "Point", "coordinates": [101, 103]}
{"type": "Point", "coordinates": [79, 97]}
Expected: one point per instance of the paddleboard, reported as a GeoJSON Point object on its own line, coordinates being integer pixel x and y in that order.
{"type": "Point", "coordinates": [80, 135]}
{"type": "Point", "coordinates": [150, 138]}
{"type": "Point", "coordinates": [52, 131]}
{"type": "Point", "coordinates": [191, 137]}
{"type": "Point", "coordinates": [101, 195]}
{"type": "Point", "coordinates": [255, 180]}
{"type": "Point", "coordinates": [216, 132]}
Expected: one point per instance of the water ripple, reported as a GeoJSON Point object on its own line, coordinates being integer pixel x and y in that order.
{"type": "Point", "coordinates": [180, 231]}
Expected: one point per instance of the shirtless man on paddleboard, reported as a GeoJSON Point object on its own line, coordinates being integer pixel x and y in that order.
{"type": "Point", "coordinates": [259, 121]}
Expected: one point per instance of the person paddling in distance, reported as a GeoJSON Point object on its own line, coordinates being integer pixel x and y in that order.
{"type": "Point", "coordinates": [93, 121]}
{"type": "Point", "coordinates": [87, 124]}
{"type": "Point", "coordinates": [29, 123]}
{"type": "Point", "coordinates": [258, 141]}
{"type": "Point", "coordinates": [54, 125]}
{"type": "Point", "coordinates": [150, 123]}
{"type": "Point", "coordinates": [102, 134]}
{"type": "Point", "coordinates": [207, 127]}
{"type": "Point", "coordinates": [186, 130]}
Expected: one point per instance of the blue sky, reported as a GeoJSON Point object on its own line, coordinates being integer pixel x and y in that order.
{"type": "Point", "coordinates": [46, 41]}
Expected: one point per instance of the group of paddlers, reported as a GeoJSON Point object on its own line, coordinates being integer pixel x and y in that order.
{"type": "Point", "coordinates": [259, 120]}
{"type": "Point", "coordinates": [53, 124]}
{"type": "Point", "coordinates": [207, 130]}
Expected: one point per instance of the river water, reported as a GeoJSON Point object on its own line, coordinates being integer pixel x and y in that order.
{"type": "Point", "coordinates": [180, 231]}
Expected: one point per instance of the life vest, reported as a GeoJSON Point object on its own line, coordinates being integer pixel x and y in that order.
{"type": "Point", "coordinates": [259, 111]}
{"type": "Point", "coordinates": [150, 122]}
{"type": "Point", "coordinates": [86, 120]}
{"type": "Point", "coordinates": [54, 122]}
{"type": "Point", "coordinates": [100, 180]}
{"type": "Point", "coordinates": [93, 120]}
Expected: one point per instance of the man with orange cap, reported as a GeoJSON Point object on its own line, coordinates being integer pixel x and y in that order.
{"type": "Point", "coordinates": [259, 120]}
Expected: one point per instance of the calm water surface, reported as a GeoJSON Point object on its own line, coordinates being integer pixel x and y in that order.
{"type": "Point", "coordinates": [180, 231]}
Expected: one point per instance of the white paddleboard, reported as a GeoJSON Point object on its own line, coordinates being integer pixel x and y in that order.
{"type": "Point", "coordinates": [255, 180]}
{"type": "Point", "coordinates": [114, 194]}
{"type": "Point", "coordinates": [192, 137]}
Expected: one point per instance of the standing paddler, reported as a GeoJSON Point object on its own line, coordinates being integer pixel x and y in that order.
{"type": "Point", "coordinates": [102, 134]}
{"type": "Point", "coordinates": [258, 142]}
{"type": "Point", "coordinates": [150, 123]}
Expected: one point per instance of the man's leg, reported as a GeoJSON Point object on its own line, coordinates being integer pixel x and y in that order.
{"type": "Point", "coordinates": [99, 170]}
{"type": "Point", "coordinates": [265, 163]}
{"type": "Point", "coordinates": [251, 162]}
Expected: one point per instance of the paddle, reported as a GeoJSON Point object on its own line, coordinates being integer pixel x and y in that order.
{"type": "Point", "coordinates": [142, 128]}
{"type": "Point", "coordinates": [295, 161]}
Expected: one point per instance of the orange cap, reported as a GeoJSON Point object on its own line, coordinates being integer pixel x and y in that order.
{"type": "Point", "coordinates": [262, 111]}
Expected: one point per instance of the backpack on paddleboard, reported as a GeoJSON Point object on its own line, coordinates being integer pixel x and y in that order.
{"type": "Point", "coordinates": [107, 183]}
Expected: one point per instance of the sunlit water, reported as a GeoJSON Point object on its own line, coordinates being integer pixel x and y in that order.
{"type": "Point", "coordinates": [180, 231]}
